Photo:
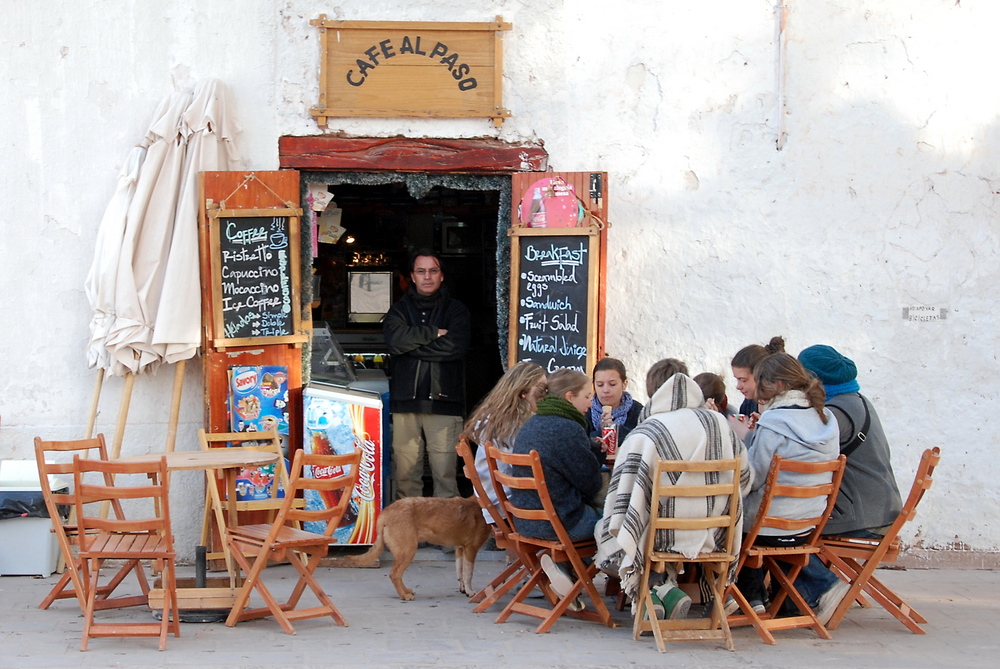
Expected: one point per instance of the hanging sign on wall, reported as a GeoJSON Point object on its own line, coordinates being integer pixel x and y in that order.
{"type": "Point", "coordinates": [407, 69]}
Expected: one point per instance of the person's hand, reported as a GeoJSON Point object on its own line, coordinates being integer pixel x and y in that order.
{"type": "Point", "coordinates": [442, 333]}
{"type": "Point", "coordinates": [739, 426]}
{"type": "Point", "coordinates": [710, 404]}
{"type": "Point", "coordinates": [752, 420]}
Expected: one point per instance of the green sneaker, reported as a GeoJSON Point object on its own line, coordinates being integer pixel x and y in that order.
{"type": "Point", "coordinates": [657, 604]}
{"type": "Point", "coordinates": [674, 600]}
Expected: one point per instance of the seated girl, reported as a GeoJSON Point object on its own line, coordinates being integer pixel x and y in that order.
{"type": "Point", "coordinates": [713, 388]}
{"type": "Point", "coordinates": [572, 473]}
{"type": "Point", "coordinates": [500, 415]}
{"type": "Point", "coordinates": [795, 425]}
{"type": "Point", "coordinates": [610, 384]}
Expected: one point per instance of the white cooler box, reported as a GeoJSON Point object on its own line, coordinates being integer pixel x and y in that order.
{"type": "Point", "coordinates": [28, 547]}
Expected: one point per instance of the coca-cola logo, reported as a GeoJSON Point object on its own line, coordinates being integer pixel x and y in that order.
{"type": "Point", "coordinates": [327, 472]}
{"type": "Point", "coordinates": [365, 487]}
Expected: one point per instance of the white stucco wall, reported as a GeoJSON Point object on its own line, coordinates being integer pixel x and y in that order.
{"type": "Point", "coordinates": [882, 197]}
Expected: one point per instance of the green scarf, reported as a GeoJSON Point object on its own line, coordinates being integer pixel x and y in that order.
{"type": "Point", "coordinates": [550, 405]}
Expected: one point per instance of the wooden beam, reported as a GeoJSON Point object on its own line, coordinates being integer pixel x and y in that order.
{"type": "Point", "coordinates": [406, 154]}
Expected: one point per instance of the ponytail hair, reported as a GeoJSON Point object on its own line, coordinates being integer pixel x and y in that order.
{"type": "Point", "coordinates": [748, 356]}
{"type": "Point", "coordinates": [782, 372]}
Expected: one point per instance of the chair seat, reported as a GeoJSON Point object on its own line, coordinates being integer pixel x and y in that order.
{"type": "Point", "coordinates": [128, 546]}
{"type": "Point", "coordinates": [287, 537]}
{"type": "Point", "coordinates": [862, 548]}
{"type": "Point", "coordinates": [669, 556]}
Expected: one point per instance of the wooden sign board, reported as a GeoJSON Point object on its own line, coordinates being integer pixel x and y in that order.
{"type": "Point", "coordinates": [410, 69]}
{"type": "Point", "coordinates": [254, 257]}
{"type": "Point", "coordinates": [554, 275]}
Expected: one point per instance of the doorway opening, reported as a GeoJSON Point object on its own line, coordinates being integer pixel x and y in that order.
{"type": "Point", "coordinates": [383, 219]}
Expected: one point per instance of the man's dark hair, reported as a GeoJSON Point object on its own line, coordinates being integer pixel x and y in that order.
{"type": "Point", "coordinates": [424, 252]}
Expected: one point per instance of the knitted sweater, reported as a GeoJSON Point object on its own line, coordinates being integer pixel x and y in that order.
{"type": "Point", "coordinates": [572, 473]}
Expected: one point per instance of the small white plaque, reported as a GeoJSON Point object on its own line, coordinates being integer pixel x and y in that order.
{"type": "Point", "coordinates": [921, 314]}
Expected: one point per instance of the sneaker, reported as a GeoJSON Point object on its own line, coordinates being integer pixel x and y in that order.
{"type": "Point", "coordinates": [559, 578]}
{"type": "Point", "coordinates": [576, 605]}
{"type": "Point", "coordinates": [757, 606]}
{"type": "Point", "coordinates": [830, 600]}
{"type": "Point", "coordinates": [657, 604]}
{"type": "Point", "coordinates": [675, 601]}
{"type": "Point", "coordinates": [731, 606]}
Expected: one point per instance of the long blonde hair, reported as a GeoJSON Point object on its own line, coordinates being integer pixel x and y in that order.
{"type": "Point", "coordinates": [506, 408]}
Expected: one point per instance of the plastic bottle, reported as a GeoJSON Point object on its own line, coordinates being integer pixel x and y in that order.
{"type": "Point", "coordinates": [537, 210]}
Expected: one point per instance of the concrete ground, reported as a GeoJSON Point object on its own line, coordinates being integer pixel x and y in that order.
{"type": "Point", "coordinates": [438, 629]}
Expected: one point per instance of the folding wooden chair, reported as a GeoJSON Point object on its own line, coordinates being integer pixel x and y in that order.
{"type": "Point", "coordinates": [134, 539]}
{"type": "Point", "coordinates": [515, 572]}
{"type": "Point", "coordinates": [675, 480]}
{"type": "Point", "coordinates": [274, 541]}
{"type": "Point", "coordinates": [69, 583]}
{"type": "Point", "coordinates": [857, 559]}
{"type": "Point", "coordinates": [269, 441]}
{"type": "Point", "coordinates": [530, 549]}
{"type": "Point", "coordinates": [796, 557]}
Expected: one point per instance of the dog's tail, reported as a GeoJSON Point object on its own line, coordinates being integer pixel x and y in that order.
{"type": "Point", "coordinates": [375, 551]}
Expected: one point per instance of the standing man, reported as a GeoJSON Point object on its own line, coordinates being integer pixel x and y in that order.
{"type": "Point", "coordinates": [427, 334]}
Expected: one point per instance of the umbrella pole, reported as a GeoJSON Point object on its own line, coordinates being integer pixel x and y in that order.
{"type": "Point", "coordinates": [116, 444]}
{"type": "Point", "coordinates": [92, 416]}
{"type": "Point", "coordinates": [175, 405]}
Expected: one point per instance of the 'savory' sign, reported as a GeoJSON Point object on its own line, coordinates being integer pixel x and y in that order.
{"type": "Point", "coordinates": [402, 68]}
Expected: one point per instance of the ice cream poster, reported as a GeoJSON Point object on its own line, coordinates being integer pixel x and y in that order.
{"type": "Point", "coordinates": [258, 402]}
{"type": "Point", "coordinates": [337, 423]}
{"type": "Point", "coordinates": [258, 398]}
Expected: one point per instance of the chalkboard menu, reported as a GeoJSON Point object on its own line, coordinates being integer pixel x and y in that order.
{"type": "Point", "coordinates": [554, 297]}
{"type": "Point", "coordinates": [255, 276]}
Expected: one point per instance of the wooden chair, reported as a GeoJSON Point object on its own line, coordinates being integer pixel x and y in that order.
{"type": "Point", "coordinates": [70, 584]}
{"type": "Point", "coordinates": [715, 564]}
{"type": "Point", "coordinates": [269, 441]}
{"type": "Point", "coordinates": [530, 549]}
{"type": "Point", "coordinates": [134, 539]}
{"type": "Point", "coordinates": [274, 541]}
{"type": "Point", "coordinates": [797, 557]}
{"type": "Point", "coordinates": [515, 572]}
{"type": "Point", "coordinates": [857, 559]}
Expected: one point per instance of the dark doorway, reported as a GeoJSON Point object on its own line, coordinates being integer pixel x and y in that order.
{"type": "Point", "coordinates": [384, 223]}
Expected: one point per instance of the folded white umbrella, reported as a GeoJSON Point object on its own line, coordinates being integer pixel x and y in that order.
{"type": "Point", "coordinates": [209, 128]}
{"type": "Point", "coordinates": [103, 275]}
{"type": "Point", "coordinates": [146, 242]}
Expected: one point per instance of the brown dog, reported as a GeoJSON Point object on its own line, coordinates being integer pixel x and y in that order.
{"type": "Point", "coordinates": [455, 521]}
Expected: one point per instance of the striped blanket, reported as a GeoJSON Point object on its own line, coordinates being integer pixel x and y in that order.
{"type": "Point", "coordinates": [678, 428]}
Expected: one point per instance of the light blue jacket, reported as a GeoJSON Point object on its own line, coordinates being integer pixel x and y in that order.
{"type": "Point", "coordinates": [794, 433]}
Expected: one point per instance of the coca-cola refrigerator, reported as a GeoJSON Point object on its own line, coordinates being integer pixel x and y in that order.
{"type": "Point", "coordinates": [337, 420]}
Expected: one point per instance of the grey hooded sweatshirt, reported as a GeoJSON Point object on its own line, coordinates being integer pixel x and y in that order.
{"type": "Point", "coordinates": [793, 430]}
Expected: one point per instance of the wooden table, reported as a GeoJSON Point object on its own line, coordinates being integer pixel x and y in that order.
{"type": "Point", "coordinates": [231, 461]}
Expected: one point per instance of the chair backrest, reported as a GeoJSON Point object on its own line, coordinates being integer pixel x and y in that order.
{"type": "Point", "coordinates": [535, 482]}
{"type": "Point", "coordinates": [268, 441]}
{"type": "Point", "coordinates": [773, 489]}
{"type": "Point", "coordinates": [56, 458]}
{"type": "Point", "coordinates": [703, 487]}
{"type": "Point", "coordinates": [921, 483]}
{"type": "Point", "coordinates": [469, 462]}
{"type": "Point", "coordinates": [153, 489]}
{"type": "Point", "coordinates": [332, 477]}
